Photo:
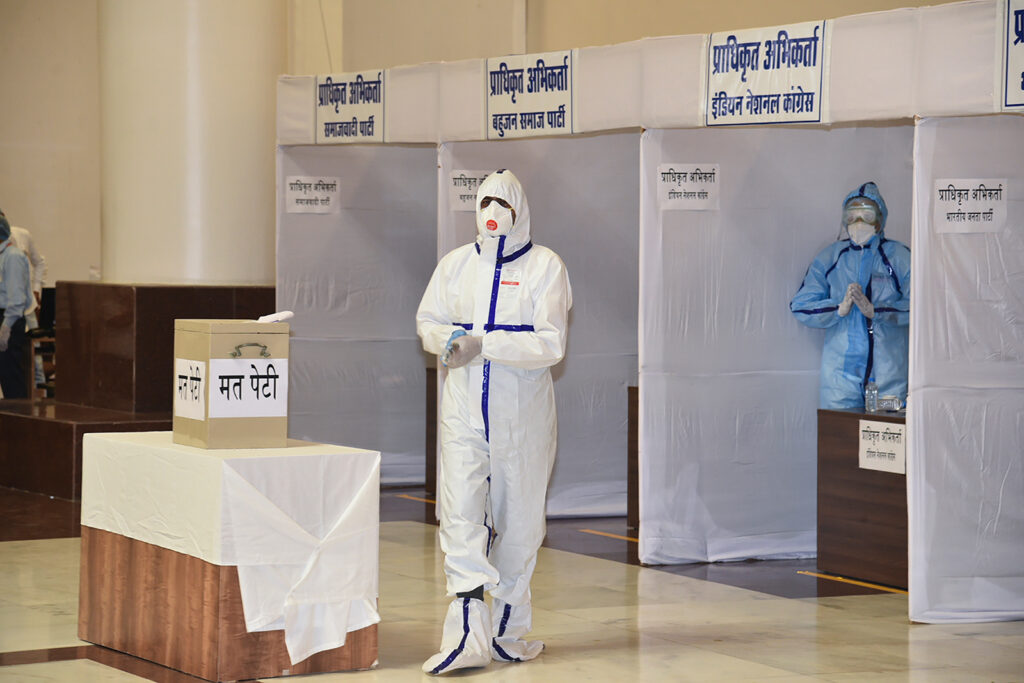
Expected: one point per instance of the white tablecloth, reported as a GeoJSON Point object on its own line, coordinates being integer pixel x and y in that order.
{"type": "Point", "coordinates": [301, 523]}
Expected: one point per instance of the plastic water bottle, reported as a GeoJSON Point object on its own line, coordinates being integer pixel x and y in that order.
{"type": "Point", "coordinates": [871, 396]}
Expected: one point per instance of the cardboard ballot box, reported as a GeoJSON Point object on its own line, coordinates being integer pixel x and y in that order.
{"type": "Point", "coordinates": [230, 384]}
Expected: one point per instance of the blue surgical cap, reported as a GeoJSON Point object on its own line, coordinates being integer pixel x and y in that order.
{"type": "Point", "coordinates": [870, 191]}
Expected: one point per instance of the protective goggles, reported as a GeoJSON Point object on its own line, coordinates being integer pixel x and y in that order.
{"type": "Point", "coordinates": [867, 214]}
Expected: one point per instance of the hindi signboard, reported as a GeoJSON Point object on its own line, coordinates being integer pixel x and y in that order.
{"type": "Point", "coordinates": [689, 187]}
{"type": "Point", "coordinates": [1013, 56]}
{"type": "Point", "coordinates": [883, 446]}
{"type": "Point", "coordinates": [529, 95]}
{"type": "Point", "coordinates": [190, 388]}
{"type": "Point", "coordinates": [969, 204]}
{"type": "Point", "coordinates": [462, 187]}
{"type": "Point", "coordinates": [350, 107]}
{"type": "Point", "coordinates": [767, 75]}
{"type": "Point", "coordinates": [248, 387]}
{"type": "Point", "coordinates": [311, 194]}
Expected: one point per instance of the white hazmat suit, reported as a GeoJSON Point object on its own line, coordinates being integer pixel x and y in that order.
{"type": "Point", "coordinates": [498, 427]}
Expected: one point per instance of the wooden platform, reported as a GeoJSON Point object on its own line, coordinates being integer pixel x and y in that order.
{"type": "Point", "coordinates": [862, 514]}
{"type": "Point", "coordinates": [115, 342]}
{"type": "Point", "coordinates": [115, 371]}
{"type": "Point", "coordinates": [41, 446]}
{"type": "Point", "coordinates": [185, 613]}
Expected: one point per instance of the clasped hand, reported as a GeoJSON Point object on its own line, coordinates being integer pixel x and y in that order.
{"type": "Point", "coordinates": [855, 296]}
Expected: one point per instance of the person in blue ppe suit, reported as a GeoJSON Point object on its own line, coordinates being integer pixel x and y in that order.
{"type": "Point", "coordinates": [15, 292]}
{"type": "Point", "coordinates": [858, 290]}
{"type": "Point", "coordinates": [496, 311]}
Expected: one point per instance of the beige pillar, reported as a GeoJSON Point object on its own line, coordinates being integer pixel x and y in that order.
{"type": "Point", "coordinates": [187, 102]}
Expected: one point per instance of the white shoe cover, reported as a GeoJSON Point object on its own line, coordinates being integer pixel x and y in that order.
{"type": "Point", "coordinates": [466, 641]}
{"type": "Point", "coordinates": [510, 623]}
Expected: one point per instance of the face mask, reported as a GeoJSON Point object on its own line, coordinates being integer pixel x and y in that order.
{"type": "Point", "coordinates": [495, 220]}
{"type": "Point", "coordinates": [860, 232]}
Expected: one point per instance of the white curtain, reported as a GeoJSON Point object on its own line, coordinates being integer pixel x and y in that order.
{"type": "Point", "coordinates": [728, 378]}
{"type": "Point", "coordinates": [354, 280]}
{"type": "Point", "coordinates": [583, 193]}
{"type": "Point", "coordinates": [965, 464]}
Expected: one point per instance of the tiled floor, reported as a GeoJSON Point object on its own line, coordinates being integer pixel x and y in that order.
{"type": "Point", "coordinates": [602, 616]}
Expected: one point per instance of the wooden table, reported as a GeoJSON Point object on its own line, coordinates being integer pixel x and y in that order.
{"type": "Point", "coordinates": [166, 535]}
{"type": "Point", "coordinates": [862, 514]}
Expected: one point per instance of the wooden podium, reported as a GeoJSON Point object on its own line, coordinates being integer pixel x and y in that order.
{"type": "Point", "coordinates": [862, 513]}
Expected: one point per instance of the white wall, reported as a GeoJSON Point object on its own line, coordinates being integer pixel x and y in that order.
{"type": "Point", "coordinates": [49, 130]}
{"type": "Point", "coordinates": [187, 112]}
{"type": "Point", "coordinates": [49, 76]}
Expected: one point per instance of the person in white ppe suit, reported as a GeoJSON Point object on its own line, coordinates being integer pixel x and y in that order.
{"type": "Point", "coordinates": [497, 312]}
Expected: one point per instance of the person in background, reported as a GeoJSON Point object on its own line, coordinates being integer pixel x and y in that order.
{"type": "Point", "coordinates": [15, 292]}
{"type": "Point", "coordinates": [497, 312]}
{"type": "Point", "coordinates": [22, 239]}
{"type": "Point", "coordinates": [858, 290]}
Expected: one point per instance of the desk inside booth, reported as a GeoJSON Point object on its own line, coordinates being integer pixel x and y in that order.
{"type": "Point", "coordinates": [862, 508]}
{"type": "Point", "coordinates": [231, 563]}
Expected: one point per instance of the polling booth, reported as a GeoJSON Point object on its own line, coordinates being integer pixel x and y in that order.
{"type": "Point", "coordinates": [729, 379]}
{"type": "Point", "coordinates": [687, 182]}
{"type": "Point", "coordinates": [966, 469]}
{"type": "Point", "coordinates": [583, 194]}
{"type": "Point", "coordinates": [963, 472]}
{"type": "Point", "coordinates": [356, 364]}
{"type": "Point", "coordinates": [353, 272]}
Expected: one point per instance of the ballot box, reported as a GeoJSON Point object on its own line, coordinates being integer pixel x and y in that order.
{"type": "Point", "coordinates": [230, 383]}
{"type": "Point", "coordinates": [230, 564]}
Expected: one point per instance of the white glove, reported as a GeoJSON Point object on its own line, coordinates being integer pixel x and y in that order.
{"type": "Point", "coordinates": [847, 303]}
{"type": "Point", "coordinates": [464, 349]}
{"type": "Point", "coordinates": [5, 336]}
{"type": "Point", "coordinates": [863, 303]}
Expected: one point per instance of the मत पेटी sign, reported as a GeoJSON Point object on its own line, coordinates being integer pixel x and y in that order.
{"type": "Point", "coordinates": [231, 387]}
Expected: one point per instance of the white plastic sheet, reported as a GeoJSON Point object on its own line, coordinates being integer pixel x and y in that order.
{"type": "Point", "coordinates": [609, 92]}
{"type": "Point", "coordinates": [462, 102]}
{"type": "Point", "coordinates": [965, 468]}
{"type": "Point", "coordinates": [300, 523]}
{"type": "Point", "coordinates": [583, 195]}
{"type": "Point", "coordinates": [296, 112]}
{"type": "Point", "coordinates": [958, 59]}
{"type": "Point", "coordinates": [876, 83]}
{"type": "Point", "coordinates": [728, 378]}
{"type": "Point", "coordinates": [673, 81]}
{"type": "Point", "coordinates": [354, 280]}
{"type": "Point", "coordinates": [942, 60]}
{"type": "Point", "coordinates": [411, 107]}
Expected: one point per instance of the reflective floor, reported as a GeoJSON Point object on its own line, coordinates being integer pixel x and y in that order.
{"type": "Point", "coordinates": [602, 616]}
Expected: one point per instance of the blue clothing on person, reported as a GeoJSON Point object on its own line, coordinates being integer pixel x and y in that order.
{"type": "Point", "coordinates": [15, 283]}
{"type": "Point", "coordinates": [857, 347]}
{"type": "Point", "coordinates": [15, 291]}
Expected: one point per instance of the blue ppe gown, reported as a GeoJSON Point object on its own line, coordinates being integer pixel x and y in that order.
{"type": "Point", "coordinates": [857, 348]}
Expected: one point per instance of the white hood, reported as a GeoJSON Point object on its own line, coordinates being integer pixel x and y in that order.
{"type": "Point", "coordinates": [504, 185]}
